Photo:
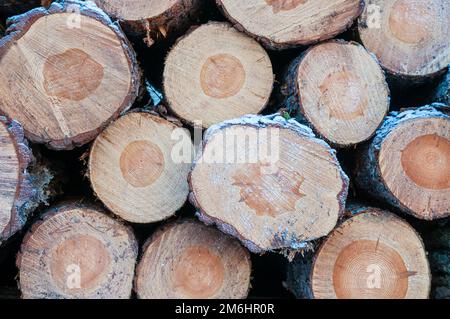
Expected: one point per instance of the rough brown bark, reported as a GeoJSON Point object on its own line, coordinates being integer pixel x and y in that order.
{"type": "Point", "coordinates": [423, 196]}
{"type": "Point", "coordinates": [31, 186]}
{"type": "Point", "coordinates": [50, 124]}
{"type": "Point", "coordinates": [167, 25]}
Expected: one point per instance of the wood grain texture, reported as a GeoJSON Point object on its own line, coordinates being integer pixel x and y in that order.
{"type": "Point", "coordinates": [407, 163]}
{"type": "Point", "coordinates": [139, 165]}
{"type": "Point", "coordinates": [187, 259]}
{"type": "Point", "coordinates": [62, 89]}
{"type": "Point", "coordinates": [339, 90]}
{"type": "Point", "coordinates": [216, 73]}
{"type": "Point", "coordinates": [373, 254]}
{"type": "Point", "coordinates": [154, 20]}
{"type": "Point", "coordinates": [77, 251]}
{"type": "Point", "coordinates": [409, 37]}
{"type": "Point", "coordinates": [283, 24]}
{"type": "Point", "coordinates": [290, 193]}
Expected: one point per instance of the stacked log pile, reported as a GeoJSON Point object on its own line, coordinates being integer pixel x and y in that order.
{"type": "Point", "coordinates": [205, 143]}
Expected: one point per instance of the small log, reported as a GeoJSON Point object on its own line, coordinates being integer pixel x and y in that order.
{"type": "Point", "coordinates": [283, 24]}
{"type": "Point", "coordinates": [339, 90]}
{"type": "Point", "coordinates": [58, 67]}
{"type": "Point", "coordinates": [407, 164]}
{"type": "Point", "coordinates": [409, 37]}
{"type": "Point", "coordinates": [438, 245]}
{"type": "Point", "coordinates": [187, 259]}
{"type": "Point", "coordinates": [269, 182]}
{"type": "Point", "coordinates": [77, 251]}
{"type": "Point", "coordinates": [153, 20]}
{"type": "Point", "coordinates": [23, 181]}
{"type": "Point", "coordinates": [138, 167]}
{"type": "Point", "coordinates": [372, 255]}
{"type": "Point", "coordinates": [216, 73]}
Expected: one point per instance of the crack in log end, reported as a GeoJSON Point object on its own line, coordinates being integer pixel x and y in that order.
{"type": "Point", "coordinates": [369, 269]}
{"type": "Point", "coordinates": [258, 189]}
{"type": "Point", "coordinates": [72, 75]}
{"type": "Point", "coordinates": [284, 5]}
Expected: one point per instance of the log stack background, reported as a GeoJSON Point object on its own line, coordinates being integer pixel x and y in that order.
{"type": "Point", "coordinates": [334, 72]}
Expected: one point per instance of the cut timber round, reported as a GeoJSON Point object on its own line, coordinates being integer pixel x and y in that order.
{"type": "Point", "coordinates": [20, 191]}
{"type": "Point", "coordinates": [282, 24]}
{"type": "Point", "coordinates": [408, 163]}
{"type": "Point", "coordinates": [268, 182]}
{"type": "Point", "coordinates": [189, 260]}
{"type": "Point", "coordinates": [339, 90]}
{"type": "Point", "coordinates": [216, 73]}
{"type": "Point", "coordinates": [58, 70]}
{"type": "Point", "coordinates": [77, 251]}
{"type": "Point", "coordinates": [155, 19]}
{"type": "Point", "coordinates": [409, 37]}
{"type": "Point", "coordinates": [139, 167]}
{"type": "Point", "coordinates": [372, 255]}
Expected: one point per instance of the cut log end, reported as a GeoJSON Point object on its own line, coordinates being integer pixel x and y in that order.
{"type": "Point", "coordinates": [366, 258]}
{"type": "Point", "coordinates": [410, 38]}
{"type": "Point", "coordinates": [90, 255]}
{"type": "Point", "coordinates": [136, 10]}
{"type": "Point", "coordinates": [216, 73]}
{"type": "Point", "coordinates": [341, 91]}
{"type": "Point", "coordinates": [190, 260]}
{"type": "Point", "coordinates": [66, 88]}
{"type": "Point", "coordinates": [281, 24]}
{"type": "Point", "coordinates": [415, 165]}
{"type": "Point", "coordinates": [139, 166]}
{"type": "Point", "coordinates": [292, 190]}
